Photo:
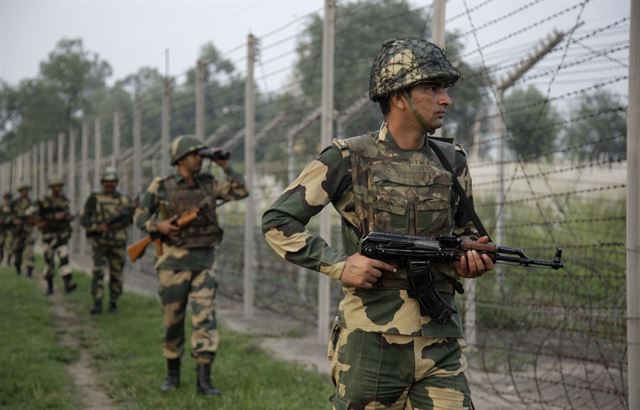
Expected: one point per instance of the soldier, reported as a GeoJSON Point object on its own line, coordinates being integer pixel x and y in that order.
{"type": "Point", "coordinates": [106, 216]}
{"type": "Point", "coordinates": [55, 223]}
{"type": "Point", "coordinates": [5, 227]}
{"type": "Point", "coordinates": [23, 212]}
{"type": "Point", "coordinates": [185, 265]}
{"type": "Point", "coordinates": [385, 352]}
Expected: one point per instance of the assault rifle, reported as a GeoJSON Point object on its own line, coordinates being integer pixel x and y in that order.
{"type": "Point", "coordinates": [136, 250]}
{"type": "Point", "coordinates": [416, 254]}
{"type": "Point", "coordinates": [110, 221]}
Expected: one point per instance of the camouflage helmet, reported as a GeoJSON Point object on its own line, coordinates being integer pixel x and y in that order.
{"type": "Point", "coordinates": [183, 145]}
{"type": "Point", "coordinates": [402, 63]}
{"type": "Point", "coordinates": [109, 174]}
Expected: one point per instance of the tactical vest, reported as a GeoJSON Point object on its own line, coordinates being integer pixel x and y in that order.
{"type": "Point", "coordinates": [398, 191]}
{"type": "Point", "coordinates": [49, 206]}
{"type": "Point", "coordinates": [23, 209]}
{"type": "Point", "coordinates": [204, 231]}
{"type": "Point", "coordinates": [5, 215]}
{"type": "Point", "coordinates": [107, 207]}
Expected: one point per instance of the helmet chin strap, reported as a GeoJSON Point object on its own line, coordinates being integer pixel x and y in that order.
{"type": "Point", "coordinates": [416, 114]}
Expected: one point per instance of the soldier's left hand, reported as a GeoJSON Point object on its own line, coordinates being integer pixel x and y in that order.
{"type": "Point", "coordinates": [59, 216]}
{"type": "Point", "coordinates": [474, 264]}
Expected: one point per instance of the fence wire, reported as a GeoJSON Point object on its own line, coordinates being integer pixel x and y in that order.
{"type": "Point", "coordinates": [537, 339]}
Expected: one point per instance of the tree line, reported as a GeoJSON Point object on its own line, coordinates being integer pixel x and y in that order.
{"type": "Point", "coordinates": [72, 85]}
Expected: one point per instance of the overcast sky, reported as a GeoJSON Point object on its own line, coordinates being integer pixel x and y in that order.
{"type": "Point", "coordinates": [132, 34]}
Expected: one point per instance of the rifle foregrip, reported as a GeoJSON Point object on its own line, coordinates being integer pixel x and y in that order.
{"type": "Point", "coordinates": [477, 246]}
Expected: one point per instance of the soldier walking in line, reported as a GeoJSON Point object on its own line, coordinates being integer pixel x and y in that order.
{"type": "Point", "coordinates": [54, 220]}
{"type": "Point", "coordinates": [386, 350]}
{"type": "Point", "coordinates": [23, 212]}
{"type": "Point", "coordinates": [185, 264]}
{"type": "Point", "coordinates": [106, 217]}
{"type": "Point", "coordinates": [6, 222]}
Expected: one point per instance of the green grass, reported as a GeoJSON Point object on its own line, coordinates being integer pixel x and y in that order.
{"type": "Point", "coordinates": [128, 361]}
{"type": "Point", "coordinates": [32, 363]}
{"type": "Point", "coordinates": [127, 354]}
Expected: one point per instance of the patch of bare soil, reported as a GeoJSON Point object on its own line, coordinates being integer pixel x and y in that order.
{"type": "Point", "coordinates": [67, 323]}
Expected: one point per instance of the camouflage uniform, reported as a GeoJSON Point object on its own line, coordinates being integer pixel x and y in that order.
{"type": "Point", "coordinates": [108, 248]}
{"type": "Point", "coordinates": [23, 210]}
{"type": "Point", "coordinates": [385, 352]}
{"type": "Point", "coordinates": [55, 235]}
{"type": "Point", "coordinates": [185, 266]}
{"type": "Point", "coordinates": [5, 228]}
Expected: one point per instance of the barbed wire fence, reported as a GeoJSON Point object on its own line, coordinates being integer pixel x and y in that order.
{"type": "Point", "coordinates": [536, 338]}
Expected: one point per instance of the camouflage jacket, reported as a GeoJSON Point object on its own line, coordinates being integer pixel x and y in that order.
{"type": "Point", "coordinates": [48, 207]}
{"type": "Point", "coordinates": [5, 216]}
{"type": "Point", "coordinates": [25, 210]}
{"type": "Point", "coordinates": [155, 200]}
{"type": "Point", "coordinates": [115, 210]}
{"type": "Point", "coordinates": [329, 179]}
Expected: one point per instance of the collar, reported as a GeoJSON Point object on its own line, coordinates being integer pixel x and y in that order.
{"type": "Point", "coordinates": [384, 135]}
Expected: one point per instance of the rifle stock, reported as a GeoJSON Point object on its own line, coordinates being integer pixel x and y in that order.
{"type": "Point", "coordinates": [136, 250]}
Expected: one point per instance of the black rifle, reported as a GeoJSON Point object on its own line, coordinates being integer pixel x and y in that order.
{"type": "Point", "coordinates": [126, 214]}
{"type": "Point", "coordinates": [417, 254]}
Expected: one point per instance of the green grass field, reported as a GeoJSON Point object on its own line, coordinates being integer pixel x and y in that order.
{"type": "Point", "coordinates": [32, 364]}
{"type": "Point", "coordinates": [128, 359]}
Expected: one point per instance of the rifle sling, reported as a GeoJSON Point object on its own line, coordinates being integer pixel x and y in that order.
{"type": "Point", "coordinates": [466, 202]}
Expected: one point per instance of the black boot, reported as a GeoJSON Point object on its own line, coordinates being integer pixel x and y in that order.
{"type": "Point", "coordinates": [49, 285]}
{"type": "Point", "coordinates": [29, 271]}
{"type": "Point", "coordinates": [113, 308]}
{"type": "Point", "coordinates": [17, 266]}
{"type": "Point", "coordinates": [172, 381]}
{"type": "Point", "coordinates": [203, 380]}
{"type": "Point", "coordinates": [69, 284]}
{"type": "Point", "coordinates": [97, 308]}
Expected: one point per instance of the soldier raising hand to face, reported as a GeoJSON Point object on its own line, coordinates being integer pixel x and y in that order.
{"type": "Point", "coordinates": [185, 264]}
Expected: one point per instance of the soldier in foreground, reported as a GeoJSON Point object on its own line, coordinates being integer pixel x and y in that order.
{"type": "Point", "coordinates": [387, 352]}
{"type": "Point", "coordinates": [184, 262]}
{"type": "Point", "coordinates": [6, 222]}
{"type": "Point", "coordinates": [23, 212]}
{"type": "Point", "coordinates": [54, 220]}
{"type": "Point", "coordinates": [105, 218]}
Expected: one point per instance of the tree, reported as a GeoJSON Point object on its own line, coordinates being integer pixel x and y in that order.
{"type": "Point", "coordinates": [599, 128]}
{"type": "Point", "coordinates": [74, 74]}
{"type": "Point", "coordinates": [532, 124]}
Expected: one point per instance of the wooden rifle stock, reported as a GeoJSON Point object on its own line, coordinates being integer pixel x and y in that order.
{"type": "Point", "coordinates": [136, 250]}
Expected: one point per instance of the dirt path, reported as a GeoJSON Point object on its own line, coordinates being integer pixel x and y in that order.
{"type": "Point", "coordinates": [93, 397]}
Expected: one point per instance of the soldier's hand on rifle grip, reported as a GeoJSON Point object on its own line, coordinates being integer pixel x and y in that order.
{"type": "Point", "coordinates": [362, 272]}
{"type": "Point", "coordinates": [474, 264]}
{"type": "Point", "coordinates": [103, 227]}
{"type": "Point", "coordinates": [169, 228]}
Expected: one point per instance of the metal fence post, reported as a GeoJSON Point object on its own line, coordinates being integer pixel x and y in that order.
{"type": "Point", "coordinates": [326, 131]}
{"type": "Point", "coordinates": [633, 210]}
{"type": "Point", "coordinates": [249, 160]}
{"type": "Point", "coordinates": [97, 153]}
{"type": "Point", "coordinates": [200, 85]}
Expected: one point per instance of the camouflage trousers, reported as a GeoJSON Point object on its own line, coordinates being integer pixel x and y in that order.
{"type": "Point", "coordinates": [107, 259]}
{"type": "Point", "coordinates": [176, 288]}
{"type": "Point", "coordinates": [5, 245]}
{"type": "Point", "coordinates": [23, 249]}
{"type": "Point", "coordinates": [55, 245]}
{"type": "Point", "coordinates": [382, 371]}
